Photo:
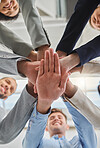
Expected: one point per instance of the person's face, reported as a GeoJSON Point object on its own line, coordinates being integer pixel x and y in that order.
{"type": "Point", "coordinates": [7, 87]}
{"type": "Point", "coordinates": [95, 19]}
{"type": "Point", "coordinates": [56, 124]}
{"type": "Point", "coordinates": [9, 7]}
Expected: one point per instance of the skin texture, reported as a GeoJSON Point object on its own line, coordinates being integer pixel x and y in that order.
{"type": "Point", "coordinates": [7, 87]}
{"type": "Point", "coordinates": [49, 77]}
{"type": "Point", "coordinates": [70, 61]}
{"type": "Point", "coordinates": [95, 19]}
{"type": "Point", "coordinates": [28, 69]}
{"type": "Point", "coordinates": [57, 124]}
{"type": "Point", "coordinates": [9, 7]}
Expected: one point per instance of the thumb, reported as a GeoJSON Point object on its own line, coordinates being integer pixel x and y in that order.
{"type": "Point", "coordinates": [35, 89]}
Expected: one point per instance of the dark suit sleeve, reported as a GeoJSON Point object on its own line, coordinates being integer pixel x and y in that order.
{"type": "Point", "coordinates": [76, 24]}
{"type": "Point", "coordinates": [89, 51]}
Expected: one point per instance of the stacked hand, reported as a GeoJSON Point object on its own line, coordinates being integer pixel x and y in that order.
{"type": "Point", "coordinates": [50, 79]}
{"type": "Point", "coordinates": [50, 83]}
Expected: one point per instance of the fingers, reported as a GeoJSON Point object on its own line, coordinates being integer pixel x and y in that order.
{"type": "Point", "coordinates": [56, 64]}
{"type": "Point", "coordinates": [41, 68]}
{"type": "Point", "coordinates": [51, 60]}
{"type": "Point", "coordinates": [46, 61]}
{"type": "Point", "coordinates": [50, 64]}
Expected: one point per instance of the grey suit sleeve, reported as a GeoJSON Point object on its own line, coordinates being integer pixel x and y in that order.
{"type": "Point", "coordinates": [8, 62]}
{"type": "Point", "coordinates": [15, 121]}
{"type": "Point", "coordinates": [87, 108]}
{"type": "Point", "coordinates": [8, 66]}
{"type": "Point", "coordinates": [14, 42]}
{"type": "Point", "coordinates": [2, 113]}
{"type": "Point", "coordinates": [33, 23]}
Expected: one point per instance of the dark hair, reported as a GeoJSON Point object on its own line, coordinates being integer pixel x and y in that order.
{"type": "Point", "coordinates": [7, 18]}
{"type": "Point", "coordinates": [56, 110]}
{"type": "Point", "coordinates": [98, 89]}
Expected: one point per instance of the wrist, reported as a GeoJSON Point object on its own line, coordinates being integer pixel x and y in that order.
{"type": "Point", "coordinates": [71, 92]}
{"type": "Point", "coordinates": [75, 60]}
{"type": "Point", "coordinates": [32, 56]}
{"type": "Point", "coordinates": [43, 105]}
{"type": "Point", "coordinates": [43, 108]}
{"type": "Point", "coordinates": [41, 52]}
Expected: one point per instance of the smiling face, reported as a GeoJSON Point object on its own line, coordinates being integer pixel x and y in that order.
{"type": "Point", "coordinates": [9, 7]}
{"type": "Point", "coordinates": [95, 19]}
{"type": "Point", "coordinates": [56, 124]}
{"type": "Point", "coordinates": [7, 87]}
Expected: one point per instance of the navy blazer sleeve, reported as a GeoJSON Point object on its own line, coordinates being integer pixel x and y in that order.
{"type": "Point", "coordinates": [75, 26]}
{"type": "Point", "coordinates": [89, 51]}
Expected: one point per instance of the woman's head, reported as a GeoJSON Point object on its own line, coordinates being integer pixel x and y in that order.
{"type": "Point", "coordinates": [9, 9]}
{"type": "Point", "coordinates": [95, 19]}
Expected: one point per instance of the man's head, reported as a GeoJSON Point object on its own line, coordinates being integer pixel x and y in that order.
{"type": "Point", "coordinates": [7, 87]}
{"type": "Point", "coordinates": [95, 19]}
{"type": "Point", "coordinates": [9, 8]}
{"type": "Point", "coordinates": [57, 123]}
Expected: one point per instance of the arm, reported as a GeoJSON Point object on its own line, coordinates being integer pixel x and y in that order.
{"type": "Point", "coordinates": [76, 24]}
{"type": "Point", "coordinates": [46, 95]}
{"type": "Point", "coordinates": [80, 101]}
{"type": "Point", "coordinates": [89, 51]}
{"type": "Point", "coordinates": [34, 132]}
{"type": "Point", "coordinates": [12, 41]}
{"type": "Point", "coordinates": [85, 130]}
{"type": "Point", "coordinates": [34, 25]}
{"type": "Point", "coordinates": [88, 68]}
{"type": "Point", "coordinates": [8, 63]}
{"type": "Point", "coordinates": [87, 108]}
{"type": "Point", "coordinates": [14, 64]}
{"type": "Point", "coordinates": [20, 115]}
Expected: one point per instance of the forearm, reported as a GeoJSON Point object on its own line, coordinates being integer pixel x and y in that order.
{"type": "Point", "coordinates": [87, 108]}
{"type": "Point", "coordinates": [85, 130]}
{"type": "Point", "coordinates": [20, 114]}
{"type": "Point", "coordinates": [43, 106]}
{"type": "Point", "coordinates": [14, 42]}
{"type": "Point", "coordinates": [89, 51]}
{"type": "Point", "coordinates": [8, 63]}
{"type": "Point", "coordinates": [22, 67]}
{"type": "Point", "coordinates": [34, 132]}
{"type": "Point", "coordinates": [70, 89]}
{"type": "Point", "coordinates": [41, 52]}
{"type": "Point", "coordinates": [70, 61]}
{"type": "Point", "coordinates": [33, 23]}
{"type": "Point", "coordinates": [76, 24]}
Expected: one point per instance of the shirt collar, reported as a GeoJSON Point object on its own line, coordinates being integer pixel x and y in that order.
{"type": "Point", "coordinates": [56, 137]}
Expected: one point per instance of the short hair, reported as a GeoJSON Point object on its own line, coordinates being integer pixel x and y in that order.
{"type": "Point", "coordinates": [7, 18]}
{"type": "Point", "coordinates": [7, 77]}
{"type": "Point", "coordinates": [56, 110]}
{"type": "Point", "coordinates": [98, 89]}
